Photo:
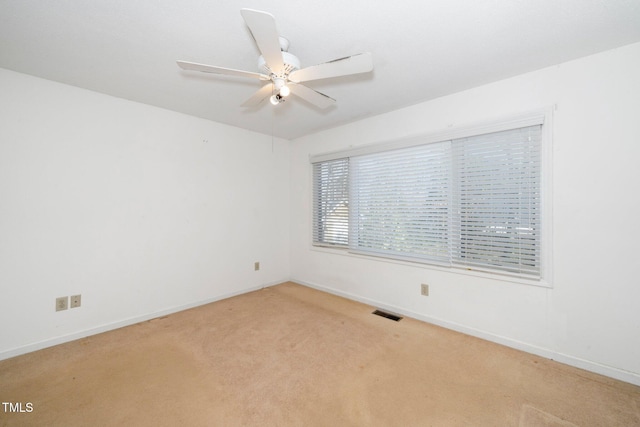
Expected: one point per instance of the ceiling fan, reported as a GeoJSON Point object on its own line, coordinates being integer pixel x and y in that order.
{"type": "Point", "coordinates": [281, 69]}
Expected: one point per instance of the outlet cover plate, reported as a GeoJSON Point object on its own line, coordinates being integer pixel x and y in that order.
{"type": "Point", "coordinates": [424, 289]}
{"type": "Point", "coordinates": [62, 303]}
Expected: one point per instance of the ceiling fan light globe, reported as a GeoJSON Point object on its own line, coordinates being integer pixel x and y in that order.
{"type": "Point", "coordinates": [285, 91]}
{"type": "Point", "coordinates": [274, 100]}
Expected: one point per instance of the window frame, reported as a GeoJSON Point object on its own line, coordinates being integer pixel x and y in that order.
{"type": "Point", "coordinates": [542, 117]}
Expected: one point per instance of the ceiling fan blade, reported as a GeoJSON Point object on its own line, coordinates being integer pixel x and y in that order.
{"type": "Point", "coordinates": [264, 32]}
{"type": "Point", "coordinates": [313, 96]}
{"type": "Point", "coordinates": [193, 66]}
{"type": "Point", "coordinates": [259, 96]}
{"type": "Point", "coordinates": [355, 64]}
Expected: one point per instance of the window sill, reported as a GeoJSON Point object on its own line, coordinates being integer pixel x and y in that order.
{"type": "Point", "coordinates": [503, 277]}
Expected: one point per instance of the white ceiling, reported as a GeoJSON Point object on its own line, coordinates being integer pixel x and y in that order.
{"type": "Point", "coordinates": [422, 49]}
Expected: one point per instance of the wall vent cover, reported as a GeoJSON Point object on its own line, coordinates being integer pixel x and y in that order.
{"type": "Point", "coordinates": [387, 315]}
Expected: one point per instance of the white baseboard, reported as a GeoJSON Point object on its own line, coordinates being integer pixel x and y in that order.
{"type": "Point", "coordinates": [122, 323]}
{"type": "Point", "coordinates": [618, 374]}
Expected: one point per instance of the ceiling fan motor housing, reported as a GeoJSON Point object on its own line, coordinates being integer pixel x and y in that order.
{"type": "Point", "coordinates": [291, 63]}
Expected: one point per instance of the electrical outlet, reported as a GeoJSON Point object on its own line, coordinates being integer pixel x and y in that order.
{"type": "Point", "coordinates": [62, 303]}
{"type": "Point", "coordinates": [256, 266]}
{"type": "Point", "coordinates": [76, 300]}
{"type": "Point", "coordinates": [424, 290]}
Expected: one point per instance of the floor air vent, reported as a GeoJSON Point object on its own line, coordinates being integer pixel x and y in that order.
{"type": "Point", "coordinates": [387, 315]}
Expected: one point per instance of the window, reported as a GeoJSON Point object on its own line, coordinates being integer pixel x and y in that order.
{"type": "Point", "coordinates": [473, 201]}
{"type": "Point", "coordinates": [400, 203]}
{"type": "Point", "coordinates": [331, 202]}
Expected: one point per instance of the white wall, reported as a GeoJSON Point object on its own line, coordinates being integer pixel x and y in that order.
{"type": "Point", "coordinates": [591, 316]}
{"type": "Point", "coordinates": [143, 211]}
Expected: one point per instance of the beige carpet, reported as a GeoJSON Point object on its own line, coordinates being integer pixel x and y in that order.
{"type": "Point", "coordinates": [293, 356]}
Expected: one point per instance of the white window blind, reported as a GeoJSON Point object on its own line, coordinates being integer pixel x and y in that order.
{"type": "Point", "coordinates": [496, 215]}
{"type": "Point", "coordinates": [473, 201]}
{"type": "Point", "coordinates": [399, 203]}
{"type": "Point", "coordinates": [331, 202]}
